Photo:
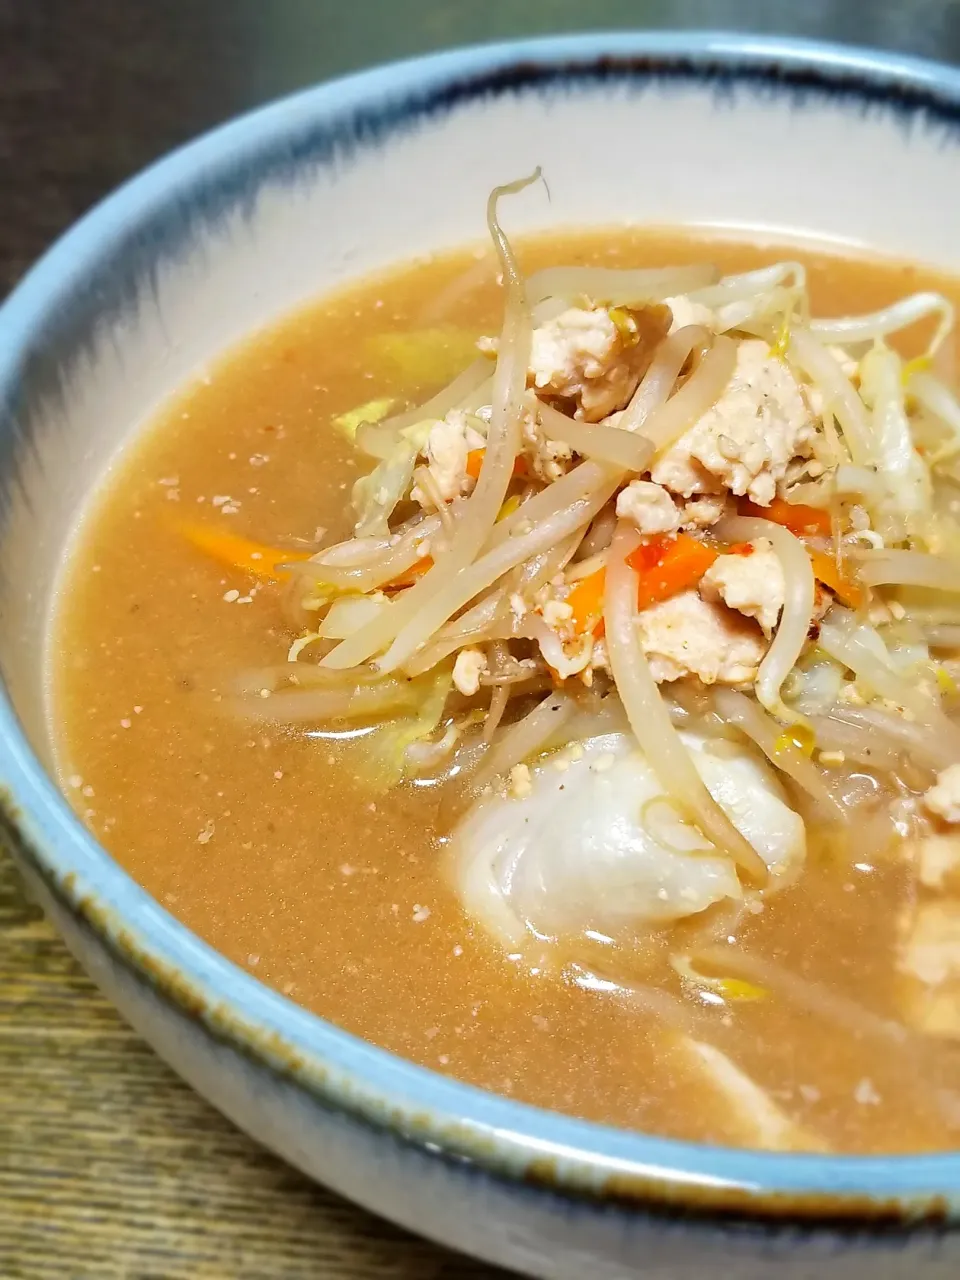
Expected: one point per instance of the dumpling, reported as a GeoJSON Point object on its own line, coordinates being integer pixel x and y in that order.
{"type": "Point", "coordinates": [591, 843]}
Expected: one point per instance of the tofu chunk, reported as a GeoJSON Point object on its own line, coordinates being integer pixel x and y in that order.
{"type": "Point", "coordinates": [752, 584]}
{"type": "Point", "coordinates": [943, 798]}
{"type": "Point", "coordinates": [547, 459]}
{"type": "Point", "coordinates": [688, 636]}
{"type": "Point", "coordinates": [746, 442]}
{"type": "Point", "coordinates": [584, 355]}
{"type": "Point", "coordinates": [705, 511]}
{"type": "Point", "coordinates": [449, 441]}
{"type": "Point", "coordinates": [938, 861]}
{"type": "Point", "coordinates": [930, 960]}
{"type": "Point", "coordinates": [685, 312]}
{"type": "Point", "coordinates": [649, 507]}
{"type": "Point", "coordinates": [470, 665]}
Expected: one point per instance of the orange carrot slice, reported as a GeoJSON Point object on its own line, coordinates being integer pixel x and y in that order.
{"type": "Point", "coordinates": [586, 601]}
{"type": "Point", "coordinates": [237, 552]}
{"type": "Point", "coordinates": [475, 462]}
{"type": "Point", "coordinates": [825, 570]}
{"type": "Point", "coordinates": [794, 516]}
{"type": "Point", "coordinates": [667, 566]}
{"type": "Point", "coordinates": [408, 578]}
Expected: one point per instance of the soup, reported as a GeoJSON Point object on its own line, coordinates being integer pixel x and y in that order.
{"type": "Point", "coordinates": [599, 750]}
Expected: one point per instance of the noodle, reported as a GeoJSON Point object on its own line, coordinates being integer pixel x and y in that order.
{"type": "Point", "coordinates": [526, 739]}
{"type": "Point", "coordinates": [909, 569]}
{"type": "Point", "coordinates": [388, 565]}
{"type": "Point", "coordinates": [791, 633]}
{"type": "Point", "coordinates": [304, 675]}
{"type": "Point", "coordinates": [939, 401]}
{"type": "Point", "coordinates": [658, 381]}
{"type": "Point", "coordinates": [737, 709]}
{"type": "Point", "coordinates": [507, 552]}
{"type": "Point", "coordinates": [701, 391]}
{"type": "Point", "coordinates": [839, 397]}
{"type": "Point", "coordinates": [650, 720]}
{"type": "Point", "coordinates": [878, 324]}
{"type": "Point", "coordinates": [503, 444]}
{"type": "Point", "coordinates": [859, 647]}
{"type": "Point", "coordinates": [749, 284]}
{"type": "Point", "coordinates": [858, 743]}
{"type": "Point", "coordinates": [359, 703]}
{"type": "Point", "coordinates": [499, 658]}
{"type": "Point", "coordinates": [593, 440]}
{"type": "Point", "coordinates": [380, 439]}
{"type": "Point", "coordinates": [883, 728]}
{"type": "Point", "coordinates": [811, 996]}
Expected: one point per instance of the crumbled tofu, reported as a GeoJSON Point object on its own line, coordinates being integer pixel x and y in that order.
{"type": "Point", "coordinates": [938, 861]}
{"type": "Point", "coordinates": [548, 459]}
{"type": "Point", "coordinates": [932, 948]}
{"type": "Point", "coordinates": [520, 785]}
{"type": "Point", "coordinates": [448, 443]}
{"type": "Point", "coordinates": [576, 346]}
{"type": "Point", "coordinates": [865, 1094]}
{"type": "Point", "coordinates": [686, 636]}
{"type": "Point", "coordinates": [930, 957]}
{"type": "Point", "coordinates": [752, 584]}
{"type": "Point", "coordinates": [685, 312]}
{"type": "Point", "coordinates": [583, 355]}
{"type": "Point", "coordinates": [943, 798]}
{"type": "Point", "coordinates": [748, 439]}
{"type": "Point", "coordinates": [705, 511]}
{"type": "Point", "coordinates": [649, 507]}
{"type": "Point", "coordinates": [557, 614]}
{"type": "Point", "coordinates": [929, 952]}
{"type": "Point", "coordinates": [518, 606]}
{"type": "Point", "coordinates": [470, 665]}
{"type": "Point", "coordinates": [563, 648]}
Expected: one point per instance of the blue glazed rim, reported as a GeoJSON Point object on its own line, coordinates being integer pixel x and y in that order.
{"type": "Point", "coordinates": [506, 1138]}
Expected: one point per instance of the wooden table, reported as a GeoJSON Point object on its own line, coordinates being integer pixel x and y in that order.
{"type": "Point", "coordinates": [109, 1166]}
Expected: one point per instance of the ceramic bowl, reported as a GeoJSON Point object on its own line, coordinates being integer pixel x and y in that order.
{"type": "Point", "coordinates": [789, 139]}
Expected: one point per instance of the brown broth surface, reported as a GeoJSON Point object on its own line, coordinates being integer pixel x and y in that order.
{"type": "Point", "coordinates": [261, 841]}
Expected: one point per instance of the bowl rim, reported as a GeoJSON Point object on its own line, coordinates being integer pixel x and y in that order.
{"type": "Point", "coordinates": [510, 1140]}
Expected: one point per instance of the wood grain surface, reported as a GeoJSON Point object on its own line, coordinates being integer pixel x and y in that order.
{"type": "Point", "coordinates": [111, 1168]}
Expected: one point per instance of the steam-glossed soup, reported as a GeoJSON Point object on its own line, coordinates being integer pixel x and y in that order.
{"type": "Point", "coordinates": [701, 895]}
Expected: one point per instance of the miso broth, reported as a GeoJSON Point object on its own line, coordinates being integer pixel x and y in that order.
{"type": "Point", "coordinates": [270, 843]}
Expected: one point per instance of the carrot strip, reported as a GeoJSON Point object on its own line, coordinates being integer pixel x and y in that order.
{"type": "Point", "coordinates": [667, 566]}
{"type": "Point", "coordinates": [475, 462]}
{"type": "Point", "coordinates": [241, 553]}
{"type": "Point", "coordinates": [586, 601]}
{"type": "Point", "coordinates": [794, 516]}
{"type": "Point", "coordinates": [410, 576]}
{"type": "Point", "coordinates": [825, 570]}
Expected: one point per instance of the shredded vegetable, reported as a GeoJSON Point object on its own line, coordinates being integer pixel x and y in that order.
{"type": "Point", "coordinates": [242, 553]}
